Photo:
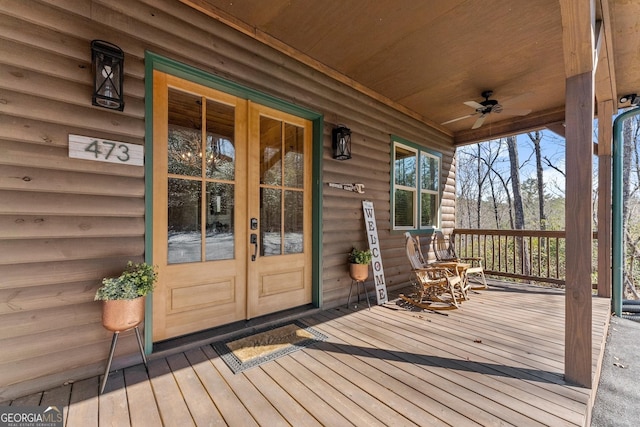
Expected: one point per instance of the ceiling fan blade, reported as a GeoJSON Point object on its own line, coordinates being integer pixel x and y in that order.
{"type": "Point", "coordinates": [459, 118]}
{"type": "Point", "coordinates": [473, 104]}
{"type": "Point", "coordinates": [516, 111]}
{"type": "Point", "coordinates": [479, 122]}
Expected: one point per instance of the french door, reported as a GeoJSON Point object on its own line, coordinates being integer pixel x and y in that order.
{"type": "Point", "coordinates": [231, 203]}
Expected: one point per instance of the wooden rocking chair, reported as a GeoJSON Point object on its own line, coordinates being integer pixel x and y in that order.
{"type": "Point", "coordinates": [436, 288]}
{"type": "Point", "coordinates": [445, 252]}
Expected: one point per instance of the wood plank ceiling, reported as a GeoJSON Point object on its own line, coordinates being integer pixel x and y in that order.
{"type": "Point", "coordinates": [428, 57]}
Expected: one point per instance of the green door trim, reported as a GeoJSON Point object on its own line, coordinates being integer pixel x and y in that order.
{"type": "Point", "coordinates": [156, 62]}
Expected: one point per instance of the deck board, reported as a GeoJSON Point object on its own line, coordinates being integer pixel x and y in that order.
{"type": "Point", "coordinates": [200, 405]}
{"type": "Point", "coordinates": [447, 377]}
{"type": "Point", "coordinates": [230, 407]}
{"type": "Point", "coordinates": [487, 376]}
{"type": "Point", "coordinates": [143, 408]}
{"type": "Point", "coordinates": [301, 365]}
{"type": "Point", "coordinates": [84, 403]}
{"type": "Point", "coordinates": [328, 367]}
{"type": "Point", "coordinates": [407, 363]}
{"type": "Point", "coordinates": [499, 360]}
{"type": "Point", "coordinates": [171, 404]}
{"type": "Point", "coordinates": [382, 380]}
{"type": "Point", "coordinates": [113, 408]}
{"type": "Point", "coordinates": [256, 403]}
{"type": "Point", "coordinates": [58, 396]}
{"type": "Point", "coordinates": [293, 400]}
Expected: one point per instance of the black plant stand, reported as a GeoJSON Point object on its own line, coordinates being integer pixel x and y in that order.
{"type": "Point", "coordinates": [114, 341]}
{"type": "Point", "coordinates": [358, 282]}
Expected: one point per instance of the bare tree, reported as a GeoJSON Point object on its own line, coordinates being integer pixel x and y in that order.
{"type": "Point", "coordinates": [490, 158]}
{"type": "Point", "coordinates": [466, 186]}
{"type": "Point", "coordinates": [536, 138]}
{"type": "Point", "coordinates": [517, 200]}
{"type": "Point", "coordinates": [515, 182]}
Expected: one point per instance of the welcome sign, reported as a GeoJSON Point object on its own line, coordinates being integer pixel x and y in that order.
{"type": "Point", "coordinates": [374, 246]}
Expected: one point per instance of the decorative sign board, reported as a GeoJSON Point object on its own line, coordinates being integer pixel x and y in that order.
{"type": "Point", "coordinates": [356, 188]}
{"type": "Point", "coordinates": [374, 246]}
{"type": "Point", "coordinates": [103, 150]}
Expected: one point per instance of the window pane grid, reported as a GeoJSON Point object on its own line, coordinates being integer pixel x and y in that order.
{"type": "Point", "coordinates": [416, 179]}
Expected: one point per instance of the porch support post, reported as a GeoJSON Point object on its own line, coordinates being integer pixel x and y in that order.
{"type": "Point", "coordinates": [578, 309]}
{"type": "Point", "coordinates": [578, 23]}
{"type": "Point", "coordinates": [605, 136]}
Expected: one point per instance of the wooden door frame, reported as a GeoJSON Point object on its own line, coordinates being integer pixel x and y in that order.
{"type": "Point", "coordinates": [169, 66]}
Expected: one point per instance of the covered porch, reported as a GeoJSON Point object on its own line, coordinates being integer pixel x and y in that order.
{"type": "Point", "coordinates": [498, 360]}
{"type": "Point", "coordinates": [409, 71]}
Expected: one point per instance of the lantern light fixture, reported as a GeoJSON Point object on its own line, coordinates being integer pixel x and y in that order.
{"type": "Point", "coordinates": [107, 62]}
{"type": "Point", "coordinates": [341, 143]}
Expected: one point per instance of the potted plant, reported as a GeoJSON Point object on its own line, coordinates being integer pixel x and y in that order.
{"type": "Point", "coordinates": [123, 296]}
{"type": "Point", "coordinates": [359, 261]}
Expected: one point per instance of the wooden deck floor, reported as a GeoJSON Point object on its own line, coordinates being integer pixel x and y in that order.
{"type": "Point", "coordinates": [497, 361]}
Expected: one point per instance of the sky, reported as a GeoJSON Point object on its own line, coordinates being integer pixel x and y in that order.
{"type": "Point", "coordinates": [553, 148]}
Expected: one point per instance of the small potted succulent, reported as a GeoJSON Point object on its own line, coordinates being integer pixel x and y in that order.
{"type": "Point", "coordinates": [359, 261]}
{"type": "Point", "coordinates": [123, 296]}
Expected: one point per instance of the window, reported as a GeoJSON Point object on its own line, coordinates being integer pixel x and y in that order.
{"type": "Point", "coordinates": [415, 197]}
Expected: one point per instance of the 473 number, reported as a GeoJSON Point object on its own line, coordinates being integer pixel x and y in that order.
{"type": "Point", "coordinates": [106, 150]}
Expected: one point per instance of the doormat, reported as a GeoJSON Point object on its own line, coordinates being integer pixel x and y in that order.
{"type": "Point", "coordinates": [257, 348]}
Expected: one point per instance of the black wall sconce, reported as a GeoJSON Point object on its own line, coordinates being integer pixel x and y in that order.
{"type": "Point", "coordinates": [341, 143]}
{"type": "Point", "coordinates": [632, 99]}
{"type": "Point", "coordinates": [107, 62]}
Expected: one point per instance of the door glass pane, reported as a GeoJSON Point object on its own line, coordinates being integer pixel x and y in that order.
{"type": "Point", "coordinates": [270, 221]}
{"type": "Point", "coordinates": [270, 151]}
{"type": "Point", "coordinates": [185, 134]}
{"type": "Point", "coordinates": [403, 208]}
{"type": "Point", "coordinates": [221, 155]}
{"type": "Point", "coordinates": [187, 213]}
{"type": "Point", "coordinates": [185, 237]}
{"type": "Point", "coordinates": [293, 222]}
{"type": "Point", "coordinates": [294, 156]}
{"type": "Point", "coordinates": [220, 231]}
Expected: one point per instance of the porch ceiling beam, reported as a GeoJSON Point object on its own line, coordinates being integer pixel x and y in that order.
{"type": "Point", "coordinates": [506, 128]}
{"type": "Point", "coordinates": [557, 128]}
{"type": "Point", "coordinates": [605, 79]}
{"type": "Point", "coordinates": [599, 35]}
{"type": "Point", "coordinates": [578, 23]}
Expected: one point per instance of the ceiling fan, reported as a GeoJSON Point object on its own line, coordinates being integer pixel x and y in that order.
{"type": "Point", "coordinates": [486, 107]}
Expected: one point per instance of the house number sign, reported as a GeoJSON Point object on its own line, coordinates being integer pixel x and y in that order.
{"type": "Point", "coordinates": [374, 246]}
{"type": "Point", "coordinates": [104, 150]}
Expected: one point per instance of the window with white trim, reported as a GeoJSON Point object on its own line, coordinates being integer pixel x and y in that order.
{"type": "Point", "coordinates": [415, 189]}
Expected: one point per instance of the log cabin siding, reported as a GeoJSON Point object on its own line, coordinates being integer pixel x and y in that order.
{"type": "Point", "coordinates": [66, 223]}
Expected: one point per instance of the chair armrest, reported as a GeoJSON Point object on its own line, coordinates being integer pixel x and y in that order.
{"type": "Point", "coordinates": [435, 271]}
{"type": "Point", "coordinates": [443, 264]}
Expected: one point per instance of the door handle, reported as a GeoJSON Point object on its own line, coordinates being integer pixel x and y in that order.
{"type": "Point", "coordinates": [254, 242]}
